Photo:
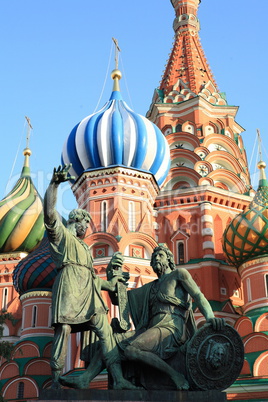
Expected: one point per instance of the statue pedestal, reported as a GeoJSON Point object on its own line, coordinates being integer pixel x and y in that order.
{"type": "Point", "coordinates": [130, 395]}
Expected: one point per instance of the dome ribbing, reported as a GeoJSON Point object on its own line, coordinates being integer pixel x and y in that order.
{"type": "Point", "coordinates": [36, 271]}
{"type": "Point", "coordinates": [246, 237]}
{"type": "Point", "coordinates": [21, 215]}
{"type": "Point", "coordinates": [116, 136]}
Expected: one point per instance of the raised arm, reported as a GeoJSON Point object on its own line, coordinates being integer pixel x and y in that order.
{"type": "Point", "coordinates": [60, 175]}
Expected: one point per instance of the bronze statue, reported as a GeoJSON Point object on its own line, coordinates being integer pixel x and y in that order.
{"type": "Point", "coordinates": [166, 315]}
{"type": "Point", "coordinates": [162, 314]}
{"type": "Point", "coordinates": [77, 304]}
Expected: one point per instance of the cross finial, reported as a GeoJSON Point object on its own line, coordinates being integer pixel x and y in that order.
{"type": "Point", "coordinates": [28, 131]}
{"type": "Point", "coordinates": [261, 164]}
{"type": "Point", "coordinates": [259, 144]}
{"type": "Point", "coordinates": [117, 49]}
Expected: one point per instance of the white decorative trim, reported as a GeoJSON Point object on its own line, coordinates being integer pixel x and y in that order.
{"type": "Point", "coordinates": [246, 388]}
{"type": "Point", "coordinates": [43, 293]}
{"type": "Point", "coordinates": [205, 205]}
{"type": "Point", "coordinates": [257, 365]}
{"type": "Point", "coordinates": [36, 334]}
{"type": "Point", "coordinates": [9, 257]}
{"type": "Point", "coordinates": [208, 244]}
{"type": "Point", "coordinates": [262, 269]}
{"type": "Point", "coordinates": [257, 334]}
{"type": "Point", "coordinates": [107, 172]}
{"type": "Point", "coordinates": [207, 232]}
{"type": "Point", "coordinates": [21, 379]}
{"type": "Point", "coordinates": [206, 218]}
{"type": "Point", "coordinates": [127, 260]}
{"type": "Point", "coordinates": [252, 306]}
{"type": "Point", "coordinates": [260, 262]}
{"type": "Point", "coordinates": [35, 300]}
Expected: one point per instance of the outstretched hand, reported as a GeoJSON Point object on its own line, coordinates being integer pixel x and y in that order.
{"type": "Point", "coordinates": [61, 174]}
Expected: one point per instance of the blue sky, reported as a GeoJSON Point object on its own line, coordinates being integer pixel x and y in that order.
{"type": "Point", "coordinates": [55, 56]}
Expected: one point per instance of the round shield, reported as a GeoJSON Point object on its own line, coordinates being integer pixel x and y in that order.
{"type": "Point", "coordinates": [214, 359]}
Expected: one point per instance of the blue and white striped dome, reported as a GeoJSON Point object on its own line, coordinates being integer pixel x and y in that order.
{"type": "Point", "coordinates": [116, 135]}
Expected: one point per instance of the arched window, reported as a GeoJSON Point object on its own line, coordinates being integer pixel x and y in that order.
{"type": "Point", "coordinates": [20, 392]}
{"type": "Point", "coordinates": [266, 285]}
{"type": "Point", "coordinates": [50, 316]}
{"type": "Point", "coordinates": [104, 216]}
{"type": "Point", "coordinates": [167, 130]}
{"type": "Point", "coordinates": [181, 259]}
{"type": "Point", "coordinates": [23, 318]}
{"type": "Point", "coordinates": [34, 316]}
{"type": "Point", "coordinates": [131, 216]}
{"type": "Point", "coordinates": [5, 299]}
{"type": "Point", "coordinates": [178, 128]}
{"type": "Point", "coordinates": [249, 290]}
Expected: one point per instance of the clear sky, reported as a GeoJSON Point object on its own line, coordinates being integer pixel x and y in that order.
{"type": "Point", "coordinates": [55, 56]}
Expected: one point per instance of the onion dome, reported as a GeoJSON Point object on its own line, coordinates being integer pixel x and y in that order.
{"type": "Point", "coordinates": [36, 271]}
{"type": "Point", "coordinates": [246, 237]}
{"type": "Point", "coordinates": [116, 135]}
{"type": "Point", "coordinates": [21, 214]}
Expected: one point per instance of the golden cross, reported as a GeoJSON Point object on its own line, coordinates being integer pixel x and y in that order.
{"type": "Point", "coordinates": [117, 49]}
{"type": "Point", "coordinates": [259, 144]}
{"type": "Point", "coordinates": [28, 131]}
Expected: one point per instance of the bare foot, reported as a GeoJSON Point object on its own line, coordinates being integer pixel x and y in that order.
{"type": "Point", "coordinates": [181, 382]}
{"type": "Point", "coordinates": [124, 384]}
{"type": "Point", "coordinates": [78, 382]}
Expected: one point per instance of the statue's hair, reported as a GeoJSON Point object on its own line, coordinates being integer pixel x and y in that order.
{"type": "Point", "coordinates": [169, 254]}
{"type": "Point", "coordinates": [77, 215]}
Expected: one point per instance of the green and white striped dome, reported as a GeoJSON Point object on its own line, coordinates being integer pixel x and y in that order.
{"type": "Point", "coordinates": [21, 214]}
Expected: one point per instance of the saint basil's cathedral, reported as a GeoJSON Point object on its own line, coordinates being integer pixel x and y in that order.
{"type": "Point", "coordinates": [179, 177]}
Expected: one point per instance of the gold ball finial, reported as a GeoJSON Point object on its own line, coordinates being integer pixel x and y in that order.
{"type": "Point", "coordinates": [116, 74]}
{"type": "Point", "coordinates": [261, 165]}
{"type": "Point", "coordinates": [27, 151]}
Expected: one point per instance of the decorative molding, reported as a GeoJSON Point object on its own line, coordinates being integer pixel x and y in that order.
{"type": "Point", "coordinates": [34, 293]}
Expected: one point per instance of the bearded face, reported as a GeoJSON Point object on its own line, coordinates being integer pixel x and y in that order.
{"type": "Point", "coordinates": [160, 262]}
{"type": "Point", "coordinates": [78, 222]}
{"type": "Point", "coordinates": [78, 228]}
{"type": "Point", "coordinates": [217, 354]}
{"type": "Point", "coordinates": [81, 228]}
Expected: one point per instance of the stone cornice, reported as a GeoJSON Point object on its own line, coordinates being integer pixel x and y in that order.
{"type": "Point", "coordinates": [109, 171]}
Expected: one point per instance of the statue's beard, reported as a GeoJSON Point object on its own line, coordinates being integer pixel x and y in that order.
{"type": "Point", "coordinates": [160, 268]}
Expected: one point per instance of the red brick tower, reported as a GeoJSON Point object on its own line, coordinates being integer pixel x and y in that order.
{"type": "Point", "coordinates": [208, 183]}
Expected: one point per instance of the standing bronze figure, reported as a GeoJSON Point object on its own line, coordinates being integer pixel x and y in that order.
{"type": "Point", "coordinates": [77, 304]}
